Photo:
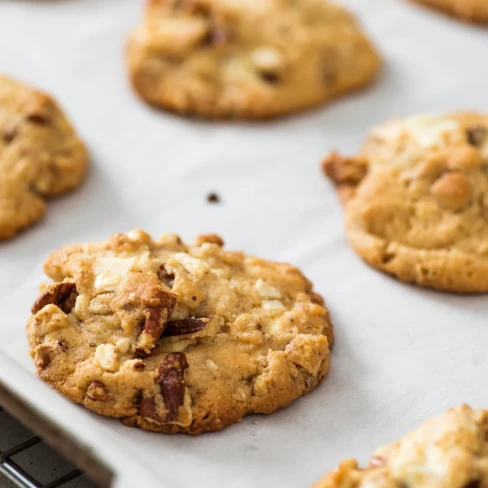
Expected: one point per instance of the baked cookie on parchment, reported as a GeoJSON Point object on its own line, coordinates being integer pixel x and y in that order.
{"type": "Point", "coordinates": [471, 10]}
{"type": "Point", "coordinates": [40, 155]}
{"type": "Point", "coordinates": [177, 338]}
{"type": "Point", "coordinates": [247, 60]}
{"type": "Point", "coordinates": [416, 200]}
{"type": "Point", "coordinates": [450, 450]}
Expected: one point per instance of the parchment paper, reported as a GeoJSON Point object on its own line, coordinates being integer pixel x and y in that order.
{"type": "Point", "coordinates": [402, 353]}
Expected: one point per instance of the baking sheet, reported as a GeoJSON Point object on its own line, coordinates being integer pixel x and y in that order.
{"type": "Point", "coordinates": [402, 353]}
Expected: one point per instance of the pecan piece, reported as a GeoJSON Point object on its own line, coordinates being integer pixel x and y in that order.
{"type": "Point", "coordinates": [61, 294]}
{"type": "Point", "coordinates": [148, 409]}
{"type": "Point", "coordinates": [166, 276]}
{"type": "Point", "coordinates": [172, 384]}
{"type": "Point", "coordinates": [213, 198]}
{"type": "Point", "coordinates": [344, 170]}
{"type": "Point", "coordinates": [96, 391]}
{"type": "Point", "coordinates": [37, 118]}
{"type": "Point", "coordinates": [477, 135]}
{"type": "Point", "coordinates": [209, 238]}
{"type": "Point", "coordinates": [156, 318]}
{"type": "Point", "coordinates": [185, 326]}
{"type": "Point", "coordinates": [42, 357]}
{"type": "Point", "coordinates": [9, 133]}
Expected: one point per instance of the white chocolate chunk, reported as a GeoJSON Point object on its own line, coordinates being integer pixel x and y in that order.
{"type": "Point", "coordinates": [106, 356]}
{"type": "Point", "coordinates": [265, 290]}
{"type": "Point", "coordinates": [427, 130]}
{"type": "Point", "coordinates": [267, 58]}
{"type": "Point", "coordinates": [109, 272]}
{"type": "Point", "coordinates": [196, 267]}
{"type": "Point", "coordinates": [123, 345]}
{"type": "Point", "coordinates": [273, 305]}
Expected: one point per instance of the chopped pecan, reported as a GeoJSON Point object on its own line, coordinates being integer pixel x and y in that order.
{"type": "Point", "coordinates": [209, 238]}
{"type": "Point", "coordinates": [473, 484]}
{"type": "Point", "coordinates": [172, 384]}
{"type": "Point", "coordinates": [166, 276]}
{"type": "Point", "coordinates": [156, 318]}
{"type": "Point", "coordinates": [9, 133]}
{"type": "Point", "coordinates": [61, 294]}
{"type": "Point", "coordinates": [37, 118]}
{"type": "Point", "coordinates": [184, 326]}
{"type": "Point", "coordinates": [269, 77]}
{"type": "Point", "coordinates": [477, 135]}
{"type": "Point", "coordinates": [148, 409]}
{"type": "Point", "coordinates": [96, 391]}
{"type": "Point", "coordinates": [218, 36]}
{"type": "Point", "coordinates": [43, 356]}
{"type": "Point", "coordinates": [138, 365]}
{"type": "Point", "coordinates": [213, 198]}
{"type": "Point", "coordinates": [316, 298]}
{"type": "Point", "coordinates": [344, 170]}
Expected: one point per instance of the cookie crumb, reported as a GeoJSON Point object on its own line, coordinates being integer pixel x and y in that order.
{"type": "Point", "coordinates": [213, 198]}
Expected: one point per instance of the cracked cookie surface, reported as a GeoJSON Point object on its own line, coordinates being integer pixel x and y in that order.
{"type": "Point", "coordinates": [41, 156]}
{"type": "Point", "coordinates": [450, 450]}
{"type": "Point", "coordinates": [255, 59]}
{"type": "Point", "coordinates": [177, 338]}
{"type": "Point", "coordinates": [416, 200]}
{"type": "Point", "coordinates": [471, 10]}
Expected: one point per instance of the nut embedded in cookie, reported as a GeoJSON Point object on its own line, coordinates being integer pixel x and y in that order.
{"type": "Point", "coordinates": [416, 200]}
{"type": "Point", "coordinates": [34, 130]}
{"type": "Point", "coordinates": [173, 337]}
{"type": "Point", "coordinates": [449, 451]}
{"type": "Point", "coordinates": [247, 60]}
{"type": "Point", "coordinates": [470, 10]}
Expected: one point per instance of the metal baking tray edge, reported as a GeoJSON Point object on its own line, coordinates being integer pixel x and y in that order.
{"type": "Point", "coordinates": [110, 466]}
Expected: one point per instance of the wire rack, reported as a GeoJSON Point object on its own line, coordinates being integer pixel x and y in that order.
{"type": "Point", "coordinates": [13, 461]}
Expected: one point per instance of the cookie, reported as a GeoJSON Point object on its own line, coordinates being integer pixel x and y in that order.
{"type": "Point", "coordinates": [471, 10]}
{"type": "Point", "coordinates": [450, 450]}
{"type": "Point", "coordinates": [41, 156]}
{"type": "Point", "coordinates": [177, 338]}
{"type": "Point", "coordinates": [247, 60]}
{"type": "Point", "coordinates": [416, 200]}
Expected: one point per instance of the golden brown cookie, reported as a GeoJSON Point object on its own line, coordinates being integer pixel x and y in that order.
{"type": "Point", "coordinates": [416, 200]}
{"type": "Point", "coordinates": [177, 338]}
{"type": "Point", "coordinates": [40, 155]}
{"type": "Point", "coordinates": [247, 60]}
{"type": "Point", "coordinates": [472, 10]}
{"type": "Point", "coordinates": [448, 451]}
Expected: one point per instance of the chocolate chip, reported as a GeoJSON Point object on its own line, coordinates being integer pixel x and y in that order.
{"type": "Point", "coordinates": [213, 198]}
{"type": "Point", "coordinates": [477, 135]}
{"type": "Point", "coordinates": [62, 346]}
{"type": "Point", "coordinates": [61, 294]}
{"type": "Point", "coordinates": [473, 484]}
{"type": "Point", "coordinates": [172, 384]}
{"type": "Point", "coordinates": [185, 326]}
